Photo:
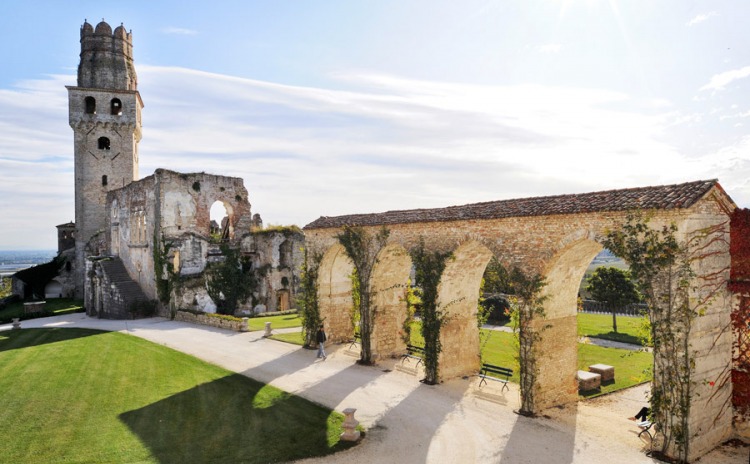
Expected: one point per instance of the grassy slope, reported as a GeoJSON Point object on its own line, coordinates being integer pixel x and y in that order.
{"type": "Point", "coordinates": [75, 395]}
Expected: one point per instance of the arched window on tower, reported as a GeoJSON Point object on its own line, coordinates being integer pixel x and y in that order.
{"type": "Point", "coordinates": [104, 180]}
{"type": "Point", "coordinates": [103, 143]}
{"type": "Point", "coordinates": [90, 105]}
{"type": "Point", "coordinates": [116, 106]}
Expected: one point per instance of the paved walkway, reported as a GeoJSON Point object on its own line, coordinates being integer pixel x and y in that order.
{"type": "Point", "coordinates": [407, 421]}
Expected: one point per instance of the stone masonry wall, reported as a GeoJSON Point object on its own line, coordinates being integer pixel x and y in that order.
{"type": "Point", "coordinates": [560, 247]}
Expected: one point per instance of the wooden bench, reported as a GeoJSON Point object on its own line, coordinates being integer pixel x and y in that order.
{"type": "Point", "coordinates": [413, 352]}
{"type": "Point", "coordinates": [488, 369]}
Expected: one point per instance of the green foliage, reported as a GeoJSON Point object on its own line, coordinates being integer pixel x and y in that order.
{"type": "Point", "coordinates": [356, 301]}
{"type": "Point", "coordinates": [413, 301]}
{"type": "Point", "coordinates": [5, 288]}
{"type": "Point", "coordinates": [526, 315]}
{"type": "Point", "coordinates": [662, 268]}
{"type": "Point", "coordinates": [149, 404]}
{"type": "Point", "coordinates": [600, 326]}
{"type": "Point", "coordinates": [497, 279]}
{"type": "Point", "coordinates": [363, 248]}
{"type": "Point", "coordinates": [286, 231]}
{"type": "Point", "coordinates": [613, 286]}
{"type": "Point", "coordinates": [227, 284]}
{"type": "Point", "coordinates": [53, 307]}
{"type": "Point", "coordinates": [162, 266]}
{"type": "Point", "coordinates": [308, 299]}
{"type": "Point", "coordinates": [429, 267]}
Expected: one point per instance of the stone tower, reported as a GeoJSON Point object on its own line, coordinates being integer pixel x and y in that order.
{"type": "Point", "coordinates": [105, 114]}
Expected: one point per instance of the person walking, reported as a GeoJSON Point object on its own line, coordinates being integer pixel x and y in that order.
{"type": "Point", "coordinates": [321, 338]}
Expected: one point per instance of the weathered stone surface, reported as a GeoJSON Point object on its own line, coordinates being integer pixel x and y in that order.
{"type": "Point", "coordinates": [588, 381]}
{"type": "Point", "coordinates": [606, 372]}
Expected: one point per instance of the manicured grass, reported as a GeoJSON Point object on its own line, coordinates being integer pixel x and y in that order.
{"type": "Point", "coordinates": [600, 326]}
{"type": "Point", "coordinates": [77, 395]}
{"type": "Point", "coordinates": [293, 337]}
{"type": "Point", "coordinates": [631, 367]}
{"type": "Point", "coordinates": [277, 322]}
{"type": "Point", "coordinates": [53, 307]}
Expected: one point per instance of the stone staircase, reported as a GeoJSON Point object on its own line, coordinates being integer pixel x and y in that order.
{"type": "Point", "coordinates": [124, 290]}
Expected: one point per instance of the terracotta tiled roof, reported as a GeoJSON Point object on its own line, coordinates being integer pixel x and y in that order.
{"type": "Point", "coordinates": [659, 197]}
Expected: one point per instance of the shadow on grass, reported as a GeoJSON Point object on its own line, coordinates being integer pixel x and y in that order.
{"type": "Point", "coordinates": [234, 419]}
{"type": "Point", "coordinates": [24, 338]}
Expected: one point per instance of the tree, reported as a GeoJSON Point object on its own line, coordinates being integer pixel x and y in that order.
{"type": "Point", "coordinates": [226, 282]}
{"type": "Point", "coordinates": [497, 279]}
{"type": "Point", "coordinates": [613, 286]}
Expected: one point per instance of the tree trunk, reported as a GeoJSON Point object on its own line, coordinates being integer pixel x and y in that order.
{"type": "Point", "coordinates": [614, 319]}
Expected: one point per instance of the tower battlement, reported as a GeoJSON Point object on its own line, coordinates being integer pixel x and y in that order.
{"type": "Point", "coordinates": [106, 58]}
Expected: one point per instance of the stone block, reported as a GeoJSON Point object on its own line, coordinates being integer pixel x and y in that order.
{"type": "Point", "coordinates": [588, 381]}
{"type": "Point", "coordinates": [607, 372]}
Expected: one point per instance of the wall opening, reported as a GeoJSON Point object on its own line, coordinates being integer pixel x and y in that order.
{"type": "Point", "coordinates": [116, 107]}
{"type": "Point", "coordinates": [103, 143]}
{"type": "Point", "coordinates": [104, 180]}
{"type": "Point", "coordinates": [335, 293]}
{"type": "Point", "coordinates": [220, 226]}
{"type": "Point", "coordinates": [90, 104]}
{"type": "Point", "coordinates": [458, 298]}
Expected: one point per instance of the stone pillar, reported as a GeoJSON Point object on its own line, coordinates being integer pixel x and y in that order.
{"type": "Point", "coordinates": [268, 330]}
{"type": "Point", "coordinates": [244, 326]}
{"type": "Point", "coordinates": [350, 426]}
{"type": "Point", "coordinates": [16, 323]}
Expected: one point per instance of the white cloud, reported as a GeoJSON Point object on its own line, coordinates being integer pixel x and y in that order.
{"type": "Point", "coordinates": [305, 151]}
{"type": "Point", "coordinates": [549, 48]}
{"type": "Point", "coordinates": [178, 31]}
{"type": "Point", "coordinates": [700, 18]}
{"type": "Point", "coordinates": [720, 81]}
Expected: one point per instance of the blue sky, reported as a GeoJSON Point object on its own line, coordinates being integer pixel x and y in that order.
{"type": "Point", "coordinates": [338, 107]}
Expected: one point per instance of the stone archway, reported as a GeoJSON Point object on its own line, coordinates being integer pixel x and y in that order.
{"type": "Point", "coordinates": [557, 350]}
{"type": "Point", "coordinates": [335, 293]}
{"type": "Point", "coordinates": [388, 284]}
{"type": "Point", "coordinates": [458, 296]}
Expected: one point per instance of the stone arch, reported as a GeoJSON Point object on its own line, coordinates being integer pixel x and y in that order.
{"type": "Point", "coordinates": [557, 349]}
{"type": "Point", "coordinates": [388, 283]}
{"type": "Point", "coordinates": [90, 104]}
{"type": "Point", "coordinates": [458, 296]}
{"type": "Point", "coordinates": [222, 213]}
{"type": "Point", "coordinates": [53, 289]}
{"type": "Point", "coordinates": [335, 293]}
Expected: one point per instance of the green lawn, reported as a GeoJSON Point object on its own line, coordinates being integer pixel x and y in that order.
{"type": "Point", "coordinates": [293, 337]}
{"type": "Point", "coordinates": [53, 307]}
{"type": "Point", "coordinates": [77, 396]}
{"type": "Point", "coordinates": [277, 322]}
{"type": "Point", "coordinates": [631, 367]}
{"type": "Point", "coordinates": [600, 326]}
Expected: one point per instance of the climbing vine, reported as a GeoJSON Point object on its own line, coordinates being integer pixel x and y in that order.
{"type": "Point", "coordinates": [227, 283]}
{"type": "Point", "coordinates": [308, 300]}
{"type": "Point", "coordinates": [429, 267]}
{"type": "Point", "coordinates": [162, 266]}
{"type": "Point", "coordinates": [526, 316]}
{"type": "Point", "coordinates": [363, 248]}
{"type": "Point", "coordinates": [356, 301]}
{"type": "Point", "coordinates": [663, 268]}
{"type": "Point", "coordinates": [739, 283]}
